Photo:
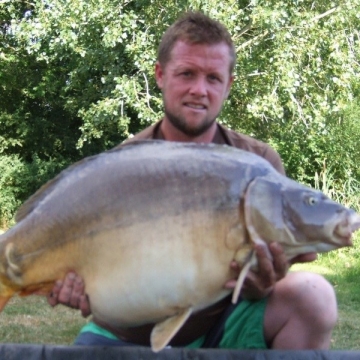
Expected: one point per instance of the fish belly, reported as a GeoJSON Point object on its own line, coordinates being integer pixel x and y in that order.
{"type": "Point", "coordinates": [150, 271]}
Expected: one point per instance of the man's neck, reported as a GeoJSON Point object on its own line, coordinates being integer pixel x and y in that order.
{"type": "Point", "coordinates": [171, 133]}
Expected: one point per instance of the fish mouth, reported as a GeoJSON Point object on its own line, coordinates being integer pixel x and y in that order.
{"type": "Point", "coordinates": [346, 227]}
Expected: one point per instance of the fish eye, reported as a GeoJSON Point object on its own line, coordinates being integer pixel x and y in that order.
{"type": "Point", "coordinates": [311, 200]}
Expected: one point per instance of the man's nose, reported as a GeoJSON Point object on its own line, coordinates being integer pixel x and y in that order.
{"type": "Point", "coordinates": [199, 86]}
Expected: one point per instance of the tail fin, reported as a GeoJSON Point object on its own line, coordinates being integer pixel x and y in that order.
{"type": "Point", "coordinates": [3, 301]}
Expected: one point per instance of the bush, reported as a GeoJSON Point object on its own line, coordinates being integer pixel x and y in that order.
{"type": "Point", "coordinates": [19, 179]}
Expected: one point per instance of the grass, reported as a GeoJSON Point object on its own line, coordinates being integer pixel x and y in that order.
{"type": "Point", "coordinates": [32, 320]}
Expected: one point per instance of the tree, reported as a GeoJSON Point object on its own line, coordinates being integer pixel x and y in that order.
{"type": "Point", "coordinates": [297, 69]}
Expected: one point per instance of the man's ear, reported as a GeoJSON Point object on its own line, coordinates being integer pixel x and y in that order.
{"type": "Point", "coordinates": [231, 80]}
{"type": "Point", "coordinates": [159, 75]}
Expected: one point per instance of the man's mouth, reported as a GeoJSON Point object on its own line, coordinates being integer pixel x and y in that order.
{"type": "Point", "coordinates": [196, 106]}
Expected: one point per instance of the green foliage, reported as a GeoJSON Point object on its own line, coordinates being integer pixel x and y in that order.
{"type": "Point", "coordinates": [346, 191]}
{"type": "Point", "coordinates": [19, 179]}
{"type": "Point", "coordinates": [9, 190]}
{"type": "Point", "coordinates": [296, 77]}
{"type": "Point", "coordinates": [106, 52]}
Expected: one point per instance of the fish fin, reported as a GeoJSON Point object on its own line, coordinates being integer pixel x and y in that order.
{"type": "Point", "coordinates": [164, 331]}
{"type": "Point", "coordinates": [3, 301]}
{"type": "Point", "coordinates": [240, 281]}
{"type": "Point", "coordinates": [13, 270]}
{"type": "Point", "coordinates": [30, 204]}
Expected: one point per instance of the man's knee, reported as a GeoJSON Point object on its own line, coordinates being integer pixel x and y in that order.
{"type": "Point", "coordinates": [308, 293]}
{"type": "Point", "coordinates": [303, 301]}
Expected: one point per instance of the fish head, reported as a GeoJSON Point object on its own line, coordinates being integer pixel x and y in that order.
{"type": "Point", "coordinates": [301, 219]}
{"type": "Point", "coordinates": [314, 218]}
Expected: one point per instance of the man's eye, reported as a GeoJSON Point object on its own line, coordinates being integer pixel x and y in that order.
{"type": "Point", "coordinates": [213, 78]}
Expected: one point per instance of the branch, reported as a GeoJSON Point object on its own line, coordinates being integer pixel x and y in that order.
{"type": "Point", "coordinates": [326, 13]}
{"type": "Point", "coordinates": [292, 97]}
{"type": "Point", "coordinates": [249, 42]}
{"type": "Point", "coordinates": [247, 27]}
{"type": "Point", "coordinates": [244, 29]}
{"type": "Point", "coordinates": [148, 96]}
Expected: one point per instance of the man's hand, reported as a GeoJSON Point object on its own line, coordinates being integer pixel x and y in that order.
{"type": "Point", "coordinates": [260, 283]}
{"type": "Point", "coordinates": [71, 293]}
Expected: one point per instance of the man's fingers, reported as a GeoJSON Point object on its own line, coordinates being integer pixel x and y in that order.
{"type": "Point", "coordinates": [84, 305]}
{"type": "Point", "coordinates": [235, 266]}
{"type": "Point", "coordinates": [272, 265]}
{"type": "Point", "coordinates": [265, 273]}
{"type": "Point", "coordinates": [254, 288]}
{"type": "Point", "coordinates": [52, 298]}
{"type": "Point", "coordinates": [230, 284]}
{"type": "Point", "coordinates": [304, 258]}
{"type": "Point", "coordinates": [280, 262]}
{"type": "Point", "coordinates": [77, 292]}
{"type": "Point", "coordinates": [71, 293]}
{"type": "Point", "coordinates": [65, 294]}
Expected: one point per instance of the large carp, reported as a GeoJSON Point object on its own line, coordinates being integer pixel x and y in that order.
{"type": "Point", "coordinates": [153, 226]}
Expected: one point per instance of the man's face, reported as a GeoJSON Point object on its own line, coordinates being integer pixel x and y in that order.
{"type": "Point", "coordinates": [194, 83]}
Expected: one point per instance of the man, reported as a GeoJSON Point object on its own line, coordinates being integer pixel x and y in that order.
{"type": "Point", "coordinates": [194, 71]}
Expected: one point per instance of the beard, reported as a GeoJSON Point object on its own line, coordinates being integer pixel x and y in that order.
{"type": "Point", "coordinates": [182, 125]}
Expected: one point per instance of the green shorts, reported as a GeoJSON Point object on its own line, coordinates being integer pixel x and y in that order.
{"type": "Point", "coordinates": [244, 328]}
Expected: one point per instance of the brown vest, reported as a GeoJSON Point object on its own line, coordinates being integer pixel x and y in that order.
{"type": "Point", "coordinates": [222, 136]}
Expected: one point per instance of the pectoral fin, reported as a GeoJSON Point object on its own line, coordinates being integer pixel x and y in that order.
{"type": "Point", "coordinates": [13, 271]}
{"type": "Point", "coordinates": [240, 281]}
{"type": "Point", "coordinates": [164, 331]}
{"type": "Point", "coordinates": [3, 301]}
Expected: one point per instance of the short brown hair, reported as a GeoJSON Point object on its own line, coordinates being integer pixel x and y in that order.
{"type": "Point", "coordinates": [195, 28]}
